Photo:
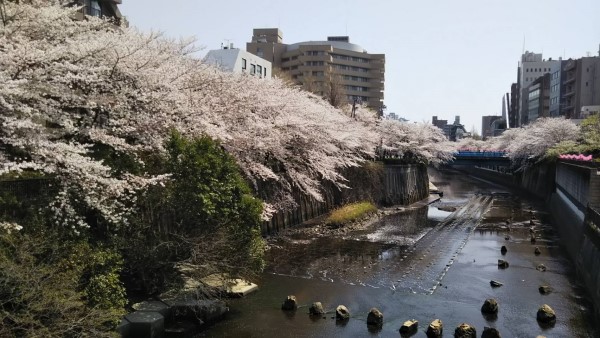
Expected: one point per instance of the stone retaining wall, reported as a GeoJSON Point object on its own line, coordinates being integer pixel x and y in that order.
{"type": "Point", "coordinates": [383, 184]}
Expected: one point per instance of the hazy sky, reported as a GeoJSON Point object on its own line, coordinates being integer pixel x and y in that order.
{"type": "Point", "coordinates": [443, 57]}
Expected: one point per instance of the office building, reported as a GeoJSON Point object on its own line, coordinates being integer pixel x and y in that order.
{"type": "Point", "coordinates": [335, 69]}
{"type": "Point", "coordinates": [538, 98]}
{"type": "Point", "coordinates": [531, 67]}
{"type": "Point", "coordinates": [556, 91]}
{"type": "Point", "coordinates": [492, 125]}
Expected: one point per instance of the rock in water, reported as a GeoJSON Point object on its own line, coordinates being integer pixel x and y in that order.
{"type": "Point", "coordinates": [533, 238]}
{"type": "Point", "coordinates": [545, 289]}
{"type": "Point", "coordinates": [375, 317]}
{"type": "Point", "coordinates": [490, 332]}
{"type": "Point", "coordinates": [502, 264]}
{"type": "Point", "coordinates": [316, 309]}
{"type": "Point", "coordinates": [435, 329]}
{"type": "Point", "coordinates": [409, 327]}
{"type": "Point", "coordinates": [465, 330]}
{"type": "Point", "coordinates": [503, 250]}
{"type": "Point", "coordinates": [290, 303]}
{"type": "Point", "coordinates": [342, 313]}
{"type": "Point", "coordinates": [537, 251]}
{"type": "Point", "coordinates": [546, 315]}
{"type": "Point", "coordinates": [541, 268]}
{"type": "Point", "coordinates": [490, 306]}
{"type": "Point", "coordinates": [495, 284]}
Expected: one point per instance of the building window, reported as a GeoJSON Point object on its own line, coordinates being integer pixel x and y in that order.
{"type": "Point", "coordinates": [94, 8]}
{"type": "Point", "coordinates": [259, 69]}
{"type": "Point", "coordinates": [259, 52]}
{"type": "Point", "coordinates": [252, 69]}
{"type": "Point", "coordinates": [243, 64]}
{"type": "Point", "coordinates": [265, 71]}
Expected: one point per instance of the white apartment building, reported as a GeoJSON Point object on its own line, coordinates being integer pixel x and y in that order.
{"type": "Point", "coordinates": [239, 61]}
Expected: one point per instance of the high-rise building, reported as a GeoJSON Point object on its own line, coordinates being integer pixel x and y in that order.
{"type": "Point", "coordinates": [556, 90]}
{"type": "Point", "coordinates": [531, 67]}
{"type": "Point", "coordinates": [538, 98]}
{"type": "Point", "coordinates": [581, 85]}
{"type": "Point", "coordinates": [336, 69]}
{"type": "Point", "coordinates": [513, 110]}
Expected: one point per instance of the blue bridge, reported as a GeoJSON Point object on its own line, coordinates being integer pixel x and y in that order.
{"type": "Point", "coordinates": [481, 158]}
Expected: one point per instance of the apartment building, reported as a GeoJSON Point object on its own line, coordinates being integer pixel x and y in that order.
{"type": "Point", "coordinates": [581, 85]}
{"type": "Point", "coordinates": [239, 61]}
{"type": "Point", "coordinates": [325, 67]}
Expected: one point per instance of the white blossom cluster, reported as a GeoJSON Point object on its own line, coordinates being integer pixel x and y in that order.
{"type": "Point", "coordinates": [422, 141]}
{"type": "Point", "coordinates": [68, 84]}
{"type": "Point", "coordinates": [10, 227]}
{"type": "Point", "coordinates": [533, 140]}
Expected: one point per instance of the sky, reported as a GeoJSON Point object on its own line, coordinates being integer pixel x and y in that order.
{"type": "Point", "coordinates": [443, 57]}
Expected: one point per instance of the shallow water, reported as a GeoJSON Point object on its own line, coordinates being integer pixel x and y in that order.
{"type": "Point", "coordinates": [424, 264]}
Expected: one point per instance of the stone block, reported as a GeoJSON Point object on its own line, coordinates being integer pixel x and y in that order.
{"type": "Point", "coordinates": [198, 310]}
{"type": "Point", "coordinates": [146, 324]}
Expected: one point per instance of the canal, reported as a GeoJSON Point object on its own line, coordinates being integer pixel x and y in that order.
{"type": "Point", "coordinates": [424, 263]}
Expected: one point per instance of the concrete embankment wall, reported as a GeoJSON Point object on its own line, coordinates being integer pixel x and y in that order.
{"type": "Point", "coordinates": [572, 193]}
{"type": "Point", "coordinates": [575, 206]}
{"type": "Point", "coordinates": [537, 181]}
{"type": "Point", "coordinates": [382, 184]}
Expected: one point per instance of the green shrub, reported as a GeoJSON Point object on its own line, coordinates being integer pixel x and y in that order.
{"type": "Point", "coordinates": [204, 215]}
{"type": "Point", "coordinates": [41, 290]}
{"type": "Point", "coordinates": [350, 213]}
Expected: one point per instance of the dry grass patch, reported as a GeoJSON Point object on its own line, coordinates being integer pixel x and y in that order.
{"type": "Point", "coordinates": [350, 213]}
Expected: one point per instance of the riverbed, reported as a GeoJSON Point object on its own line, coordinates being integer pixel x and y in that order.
{"type": "Point", "coordinates": [421, 263]}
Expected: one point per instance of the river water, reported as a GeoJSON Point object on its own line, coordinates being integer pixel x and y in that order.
{"type": "Point", "coordinates": [421, 263]}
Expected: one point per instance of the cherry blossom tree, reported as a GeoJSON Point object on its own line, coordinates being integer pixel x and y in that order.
{"type": "Point", "coordinates": [69, 87]}
{"type": "Point", "coordinates": [533, 141]}
{"type": "Point", "coordinates": [415, 142]}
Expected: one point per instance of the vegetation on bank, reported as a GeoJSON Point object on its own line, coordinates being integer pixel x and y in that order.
{"type": "Point", "coordinates": [350, 213]}
{"type": "Point", "coordinates": [544, 140]}
{"type": "Point", "coordinates": [588, 142]}
{"type": "Point", "coordinates": [57, 283]}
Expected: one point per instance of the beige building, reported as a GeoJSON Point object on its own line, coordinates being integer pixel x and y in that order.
{"type": "Point", "coordinates": [332, 68]}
